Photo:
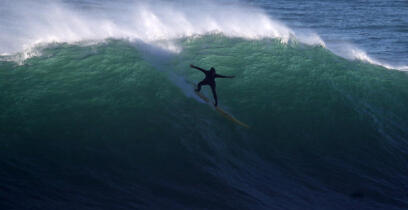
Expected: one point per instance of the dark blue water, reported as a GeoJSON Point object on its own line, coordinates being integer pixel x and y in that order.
{"type": "Point", "coordinates": [97, 108]}
{"type": "Point", "coordinates": [377, 27]}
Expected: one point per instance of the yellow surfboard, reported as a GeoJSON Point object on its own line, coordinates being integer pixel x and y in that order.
{"type": "Point", "coordinates": [222, 112]}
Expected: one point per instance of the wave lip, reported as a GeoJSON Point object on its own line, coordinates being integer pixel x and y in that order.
{"type": "Point", "coordinates": [49, 22]}
{"type": "Point", "coordinates": [351, 52]}
{"type": "Point", "coordinates": [156, 22]}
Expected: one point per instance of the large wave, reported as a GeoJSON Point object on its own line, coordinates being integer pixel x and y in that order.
{"type": "Point", "coordinates": [104, 115]}
{"type": "Point", "coordinates": [321, 127]}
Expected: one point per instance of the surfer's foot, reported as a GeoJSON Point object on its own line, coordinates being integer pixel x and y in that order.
{"type": "Point", "coordinates": [215, 104]}
{"type": "Point", "coordinates": [196, 90]}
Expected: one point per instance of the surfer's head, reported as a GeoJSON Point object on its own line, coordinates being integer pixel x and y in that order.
{"type": "Point", "coordinates": [212, 70]}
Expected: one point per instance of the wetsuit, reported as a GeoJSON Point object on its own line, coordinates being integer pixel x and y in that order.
{"type": "Point", "coordinates": [209, 79]}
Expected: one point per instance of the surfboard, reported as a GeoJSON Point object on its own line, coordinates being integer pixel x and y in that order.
{"type": "Point", "coordinates": [222, 112]}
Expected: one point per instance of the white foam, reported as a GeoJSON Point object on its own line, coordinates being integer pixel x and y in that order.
{"type": "Point", "coordinates": [149, 21]}
{"type": "Point", "coordinates": [361, 55]}
{"type": "Point", "coordinates": [351, 52]}
{"type": "Point", "coordinates": [30, 24]}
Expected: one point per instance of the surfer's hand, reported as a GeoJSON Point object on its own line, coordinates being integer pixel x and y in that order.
{"type": "Point", "coordinates": [192, 66]}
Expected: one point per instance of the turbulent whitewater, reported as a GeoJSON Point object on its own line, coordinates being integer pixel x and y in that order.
{"type": "Point", "coordinates": [97, 111]}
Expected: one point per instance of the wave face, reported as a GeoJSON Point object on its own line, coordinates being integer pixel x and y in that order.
{"type": "Point", "coordinates": [112, 122]}
{"type": "Point", "coordinates": [115, 124]}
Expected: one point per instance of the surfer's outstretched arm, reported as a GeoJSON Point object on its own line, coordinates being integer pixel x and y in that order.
{"type": "Point", "coordinates": [198, 68]}
{"type": "Point", "coordinates": [222, 76]}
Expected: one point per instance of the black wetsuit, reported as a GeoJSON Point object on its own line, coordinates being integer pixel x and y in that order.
{"type": "Point", "coordinates": [209, 79]}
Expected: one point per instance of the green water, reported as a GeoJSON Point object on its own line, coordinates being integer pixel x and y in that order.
{"type": "Point", "coordinates": [127, 110]}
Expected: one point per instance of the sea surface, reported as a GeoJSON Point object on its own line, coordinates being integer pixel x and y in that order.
{"type": "Point", "coordinates": [98, 111]}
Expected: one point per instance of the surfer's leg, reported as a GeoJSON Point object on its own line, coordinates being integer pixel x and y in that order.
{"type": "Point", "coordinates": [199, 86]}
{"type": "Point", "coordinates": [214, 94]}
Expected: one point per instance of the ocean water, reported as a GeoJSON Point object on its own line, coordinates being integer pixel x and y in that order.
{"type": "Point", "coordinates": [97, 108]}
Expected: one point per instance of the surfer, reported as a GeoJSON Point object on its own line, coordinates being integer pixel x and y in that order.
{"type": "Point", "coordinates": [209, 79]}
